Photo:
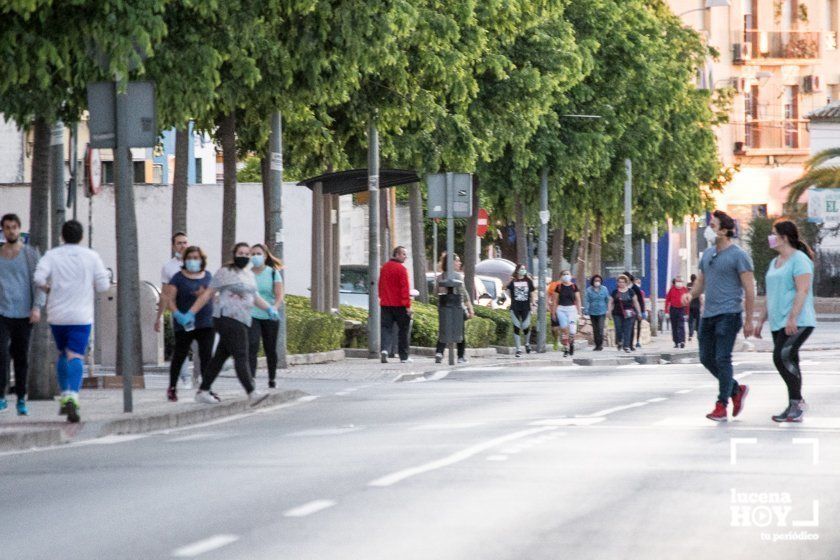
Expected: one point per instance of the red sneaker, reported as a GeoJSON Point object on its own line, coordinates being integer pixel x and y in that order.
{"type": "Point", "coordinates": [172, 395]}
{"type": "Point", "coordinates": [719, 413]}
{"type": "Point", "coordinates": [738, 400]}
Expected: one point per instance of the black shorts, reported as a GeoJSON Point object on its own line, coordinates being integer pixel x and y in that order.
{"type": "Point", "coordinates": [554, 321]}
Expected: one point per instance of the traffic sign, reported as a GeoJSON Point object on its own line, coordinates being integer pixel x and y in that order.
{"type": "Point", "coordinates": [483, 220]}
{"type": "Point", "coordinates": [93, 171]}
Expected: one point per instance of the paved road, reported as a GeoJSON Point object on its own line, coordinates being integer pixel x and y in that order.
{"type": "Point", "coordinates": [541, 463]}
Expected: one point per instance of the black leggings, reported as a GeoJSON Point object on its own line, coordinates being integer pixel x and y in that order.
{"type": "Point", "coordinates": [183, 339]}
{"type": "Point", "coordinates": [233, 341]}
{"type": "Point", "coordinates": [14, 346]}
{"type": "Point", "coordinates": [267, 330]}
{"type": "Point", "coordinates": [786, 358]}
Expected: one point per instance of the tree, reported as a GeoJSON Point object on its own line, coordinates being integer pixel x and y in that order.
{"type": "Point", "coordinates": [819, 172]}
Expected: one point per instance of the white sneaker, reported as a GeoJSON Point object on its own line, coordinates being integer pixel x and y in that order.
{"type": "Point", "coordinates": [438, 358]}
{"type": "Point", "coordinates": [255, 397]}
{"type": "Point", "coordinates": [186, 383]}
{"type": "Point", "coordinates": [383, 356]}
{"type": "Point", "coordinates": [205, 397]}
{"type": "Point", "coordinates": [462, 360]}
{"type": "Point", "coordinates": [406, 361]}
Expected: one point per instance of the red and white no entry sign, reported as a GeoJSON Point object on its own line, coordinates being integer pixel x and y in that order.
{"type": "Point", "coordinates": [483, 220]}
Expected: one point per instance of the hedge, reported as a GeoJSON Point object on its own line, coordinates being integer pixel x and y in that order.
{"type": "Point", "coordinates": [307, 331]}
{"type": "Point", "coordinates": [479, 332]}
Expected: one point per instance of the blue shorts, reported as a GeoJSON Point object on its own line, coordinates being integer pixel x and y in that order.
{"type": "Point", "coordinates": [71, 337]}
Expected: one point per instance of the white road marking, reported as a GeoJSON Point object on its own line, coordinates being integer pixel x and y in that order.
{"type": "Point", "coordinates": [568, 421]}
{"type": "Point", "coordinates": [309, 508]}
{"type": "Point", "coordinates": [204, 545]}
{"type": "Point", "coordinates": [200, 437]}
{"type": "Point", "coordinates": [657, 399]}
{"type": "Point", "coordinates": [497, 457]}
{"type": "Point", "coordinates": [683, 391]}
{"type": "Point", "coordinates": [457, 457]}
{"type": "Point", "coordinates": [451, 426]}
{"type": "Point", "coordinates": [614, 409]}
{"type": "Point", "coordinates": [342, 393]}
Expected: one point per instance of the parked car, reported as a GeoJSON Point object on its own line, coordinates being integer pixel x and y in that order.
{"type": "Point", "coordinates": [497, 268]}
{"type": "Point", "coordinates": [488, 289]}
{"type": "Point", "coordinates": [353, 285]}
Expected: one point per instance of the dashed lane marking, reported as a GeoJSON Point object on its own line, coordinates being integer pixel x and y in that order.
{"type": "Point", "coordinates": [205, 545]}
{"type": "Point", "coordinates": [309, 508]}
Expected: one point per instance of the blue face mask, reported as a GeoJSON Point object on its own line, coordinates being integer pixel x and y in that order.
{"type": "Point", "coordinates": [193, 265]}
{"type": "Point", "coordinates": [257, 261]}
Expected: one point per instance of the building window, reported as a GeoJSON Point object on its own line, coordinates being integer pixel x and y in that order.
{"type": "Point", "coordinates": [157, 174]}
{"type": "Point", "coordinates": [791, 112]}
{"type": "Point", "coordinates": [198, 177]}
{"type": "Point", "coordinates": [139, 171]}
{"type": "Point", "coordinates": [108, 172]}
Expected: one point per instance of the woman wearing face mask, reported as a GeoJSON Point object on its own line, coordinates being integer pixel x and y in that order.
{"type": "Point", "coordinates": [266, 268]}
{"type": "Point", "coordinates": [790, 309]}
{"type": "Point", "coordinates": [677, 311]}
{"type": "Point", "coordinates": [596, 304]}
{"type": "Point", "coordinates": [521, 289]}
{"type": "Point", "coordinates": [237, 291]}
{"type": "Point", "coordinates": [624, 308]}
{"type": "Point", "coordinates": [181, 293]}
{"type": "Point", "coordinates": [567, 303]}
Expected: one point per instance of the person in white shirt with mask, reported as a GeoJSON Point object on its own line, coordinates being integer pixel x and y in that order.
{"type": "Point", "coordinates": [71, 275]}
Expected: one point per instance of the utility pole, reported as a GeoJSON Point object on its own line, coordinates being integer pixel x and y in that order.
{"type": "Point", "coordinates": [628, 216]}
{"type": "Point", "coordinates": [276, 176]}
{"type": "Point", "coordinates": [373, 240]}
{"type": "Point", "coordinates": [129, 346]}
{"type": "Point", "coordinates": [542, 251]}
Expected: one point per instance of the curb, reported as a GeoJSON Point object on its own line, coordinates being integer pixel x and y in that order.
{"type": "Point", "coordinates": [203, 413]}
{"type": "Point", "coordinates": [142, 423]}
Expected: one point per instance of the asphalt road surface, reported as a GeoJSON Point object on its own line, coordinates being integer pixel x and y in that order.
{"type": "Point", "coordinates": [535, 463]}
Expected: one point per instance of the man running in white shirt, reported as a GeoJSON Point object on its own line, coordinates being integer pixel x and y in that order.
{"type": "Point", "coordinates": [70, 274]}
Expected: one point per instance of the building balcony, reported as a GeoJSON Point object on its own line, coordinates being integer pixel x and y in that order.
{"type": "Point", "coordinates": [767, 137]}
{"type": "Point", "coordinates": [781, 47]}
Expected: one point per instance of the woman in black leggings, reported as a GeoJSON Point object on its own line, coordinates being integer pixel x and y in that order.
{"type": "Point", "coordinates": [181, 292]}
{"type": "Point", "coordinates": [790, 310]}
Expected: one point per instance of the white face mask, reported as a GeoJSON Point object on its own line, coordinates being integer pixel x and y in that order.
{"type": "Point", "coordinates": [710, 234]}
{"type": "Point", "coordinates": [678, 284]}
{"type": "Point", "coordinates": [596, 284]}
{"type": "Point", "coordinates": [522, 272]}
{"type": "Point", "coordinates": [567, 278]}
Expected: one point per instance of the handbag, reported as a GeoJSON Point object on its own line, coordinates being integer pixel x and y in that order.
{"type": "Point", "coordinates": [628, 313]}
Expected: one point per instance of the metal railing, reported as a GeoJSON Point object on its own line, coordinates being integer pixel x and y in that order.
{"type": "Point", "coordinates": [755, 44]}
{"type": "Point", "coordinates": [768, 136]}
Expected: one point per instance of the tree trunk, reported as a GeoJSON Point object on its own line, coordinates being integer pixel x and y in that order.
{"type": "Point", "coordinates": [265, 177]}
{"type": "Point", "coordinates": [418, 242]}
{"type": "Point", "coordinates": [470, 242]}
{"type": "Point", "coordinates": [521, 232]}
{"type": "Point", "coordinates": [597, 242]}
{"type": "Point", "coordinates": [42, 382]}
{"type": "Point", "coordinates": [558, 241]}
{"type": "Point", "coordinates": [227, 134]}
{"type": "Point", "coordinates": [179, 184]}
{"type": "Point", "coordinates": [579, 269]}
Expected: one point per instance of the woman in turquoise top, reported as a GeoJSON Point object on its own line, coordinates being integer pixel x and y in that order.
{"type": "Point", "coordinates": [790, 309]}
{"type": "Point", "coordinates": [266, 268]}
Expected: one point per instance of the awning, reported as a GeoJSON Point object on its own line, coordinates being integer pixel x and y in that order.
{"type": "Point", "coordinates": [356, 180]}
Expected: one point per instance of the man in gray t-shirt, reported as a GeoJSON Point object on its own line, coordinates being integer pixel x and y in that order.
{"type": "Point", "coordinates": [726, 279]}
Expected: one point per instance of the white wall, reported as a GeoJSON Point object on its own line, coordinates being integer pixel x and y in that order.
{"type": "Point", "coordinates": [11, 152]}
{"type": "Point", "coordinates": [153, 203]}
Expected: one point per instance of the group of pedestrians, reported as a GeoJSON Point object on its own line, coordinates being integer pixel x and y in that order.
{"type": "Point", "coordinates": [234, 309]}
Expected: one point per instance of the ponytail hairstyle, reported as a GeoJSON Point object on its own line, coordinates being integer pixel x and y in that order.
{"type": "Point", "coordinates": [788, 229]}
{"type": "Point", "coordinates": [270, 260]}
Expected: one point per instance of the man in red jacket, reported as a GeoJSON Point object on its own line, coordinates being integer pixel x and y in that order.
{"type": "Point", "coordinates": [395, 304]}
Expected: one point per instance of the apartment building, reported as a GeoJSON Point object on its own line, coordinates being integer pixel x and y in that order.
{"type": "Point", "coordinates": [782, 59]}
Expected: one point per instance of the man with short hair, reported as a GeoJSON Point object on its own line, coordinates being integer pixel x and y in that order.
{"type": "Point", "coordinates": [20, 308]}
{"type": "Point", "coordinates": [71, 274]}
{"type": "Point", "coordinates": [395, 304]}
{"type": "Point", "coordinates": [180, 242]}
{"type": "Point", "coordinates": [726, 281]}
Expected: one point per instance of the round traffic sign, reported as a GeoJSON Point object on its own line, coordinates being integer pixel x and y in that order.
{"type": "Point", "coordinates": [483, 220]}
{"type": "Point", "coordinates": [93, 171]}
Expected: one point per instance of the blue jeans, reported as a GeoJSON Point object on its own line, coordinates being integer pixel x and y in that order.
{"type": "Point", "coordinates": [678, 325]}
{"type": "Point", "coordinates": [717, 338]}
{"type": "Point", "coordinates": [624, 331]}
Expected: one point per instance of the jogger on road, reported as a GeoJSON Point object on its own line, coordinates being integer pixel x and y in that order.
{"type": "Point", "coordinates": [71, 274]}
